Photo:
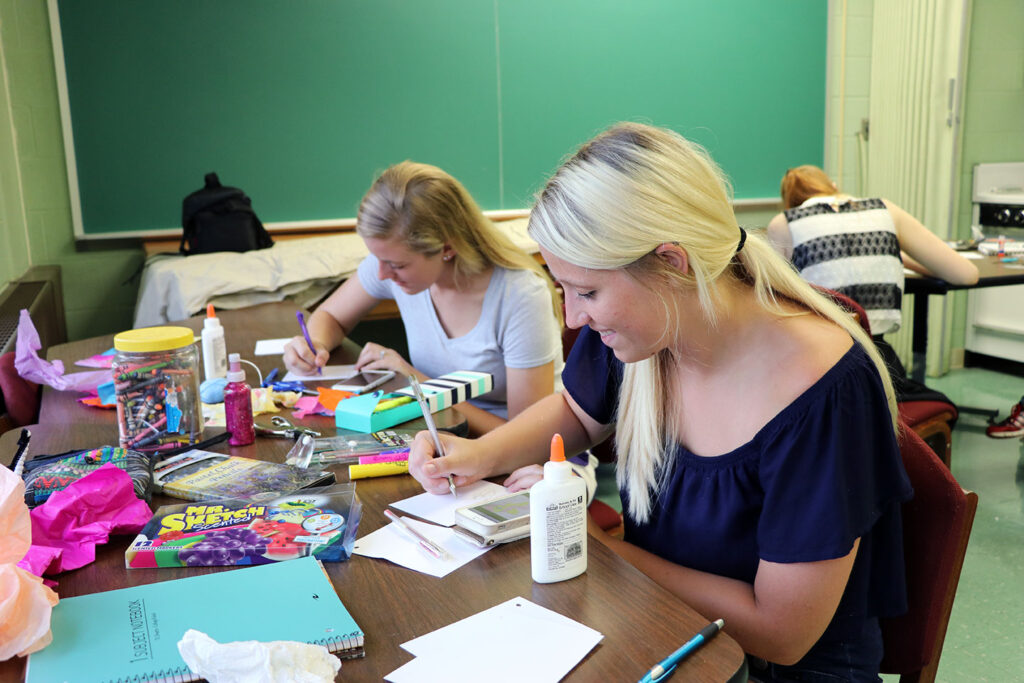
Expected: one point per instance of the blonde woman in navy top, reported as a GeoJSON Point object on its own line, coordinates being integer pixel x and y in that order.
{"type": "Point", "coordinates": [755, 425]}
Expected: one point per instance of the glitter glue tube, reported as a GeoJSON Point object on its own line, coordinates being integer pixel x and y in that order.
{"type": "Point", "coordinates": [238, 405]}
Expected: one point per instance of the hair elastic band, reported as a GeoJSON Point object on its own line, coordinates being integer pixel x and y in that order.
{"type": "Point", "coordinates": [743, 239]}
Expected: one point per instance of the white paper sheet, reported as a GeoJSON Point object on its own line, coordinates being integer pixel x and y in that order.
{"type": "Point", "coordinates": [481, 643]}
{"type": "Point", "coordinates": [270, 347]}
{"type": "Point", "coordinates": [329, 372]}
{"type": "Point", "coordinates": [389, 543]}
{"type": "Point", "coordinates": [441, 509]}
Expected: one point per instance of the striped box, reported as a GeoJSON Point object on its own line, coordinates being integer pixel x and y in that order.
{"type": "Point", "coordinates": [455, 387]}
{"type": "Point", "coordinates": [357, 413]}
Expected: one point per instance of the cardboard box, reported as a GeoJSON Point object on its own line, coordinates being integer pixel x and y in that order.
{"type": "Point", "coordinates": [356, 413]}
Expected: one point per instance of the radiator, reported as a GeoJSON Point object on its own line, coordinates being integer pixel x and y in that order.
{"type": "Point", "coordinates": [39, 291]}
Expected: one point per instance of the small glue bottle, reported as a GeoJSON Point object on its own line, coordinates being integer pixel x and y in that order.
{"type": "Point", "coordinates": [558, 520]}
{"type": "Point", "coordinates": [215, 357]}
{"type": "Point", "coordinates": [238, 405]}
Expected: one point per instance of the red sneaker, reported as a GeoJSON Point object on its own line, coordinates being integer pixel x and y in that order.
{"type": "Point", "coordinates": [1011, 426]}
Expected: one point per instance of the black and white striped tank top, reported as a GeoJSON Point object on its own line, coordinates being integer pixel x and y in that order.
{"type": "Point", "coordinates": [850, 246]}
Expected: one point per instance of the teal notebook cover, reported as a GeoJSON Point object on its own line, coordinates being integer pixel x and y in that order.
{"type": "Point", "coordinates": [132, 633]}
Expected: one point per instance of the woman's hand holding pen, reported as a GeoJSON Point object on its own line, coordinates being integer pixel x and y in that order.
{"type": "Point", "coordinates": [462, 460]}
{"type": "Point", "coordinates": [299, 358]}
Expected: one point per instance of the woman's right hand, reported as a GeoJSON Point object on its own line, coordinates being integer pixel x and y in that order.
{"type": "Point", "coordinates": [299, 359]}
{"type": "Point", "coordinates": [462, 461]}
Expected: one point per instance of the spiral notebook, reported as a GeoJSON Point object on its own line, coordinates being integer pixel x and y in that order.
{"type": "Point", "coordinates": [133, 633]}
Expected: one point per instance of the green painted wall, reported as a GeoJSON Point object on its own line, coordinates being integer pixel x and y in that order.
{"type": "Point", "coordinates": [993, 111]}
{"type": "Point", "coordinates": [35, 215]}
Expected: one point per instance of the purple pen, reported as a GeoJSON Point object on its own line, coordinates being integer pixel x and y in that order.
{"type": "Point", "coordinates": [305, 333]}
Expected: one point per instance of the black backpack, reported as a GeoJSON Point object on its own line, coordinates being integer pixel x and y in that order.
{"type": "Point", "coordinates": [218, 218]}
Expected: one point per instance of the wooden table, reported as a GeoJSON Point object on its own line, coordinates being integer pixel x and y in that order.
{"type": "Point", "coordinates": [991, 273]}
{"type": "Point", "coordinates": [641, 622]}
{"type": "Point", "coordinates": [242, 329]}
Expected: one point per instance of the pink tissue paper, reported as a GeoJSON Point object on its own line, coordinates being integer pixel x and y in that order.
{"type": "Point", "coordinates": [309, 405]}
{"type": "Point", "coordinates": [25, 603]}
{"type": "Point", "coordinates": [67, 528]}
{"type": "Point", "coordinates": [33, 368]}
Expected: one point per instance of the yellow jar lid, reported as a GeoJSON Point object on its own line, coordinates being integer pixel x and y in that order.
{"type": "Point", "coordinates": [146, 339]}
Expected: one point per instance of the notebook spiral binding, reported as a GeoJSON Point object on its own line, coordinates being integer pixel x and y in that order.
{"type": "Point", "coordinates": [181, 674]}
{"type": "Point", "coordinates": [344, 645]}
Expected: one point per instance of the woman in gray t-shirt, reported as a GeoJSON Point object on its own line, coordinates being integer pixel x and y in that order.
{"type": "Point", "coordinates": [469, 298]}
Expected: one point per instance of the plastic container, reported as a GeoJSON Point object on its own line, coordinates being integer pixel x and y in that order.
{"type": "Point", "coordinates": [558, 520]}
{"type": "Point", "coordinates": [156, 378]}
{"type": "Point", "coordinates": [215, 355]}
{"type": "Point", "coordinates": [238, 405]}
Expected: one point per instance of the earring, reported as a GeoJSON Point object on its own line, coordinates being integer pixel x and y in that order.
{"type": "Point", "coordinates": [447, 257]}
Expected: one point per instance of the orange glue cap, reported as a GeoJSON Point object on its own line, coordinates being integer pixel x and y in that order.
{"type": "Point", "coordinates": [210, 312]}
{"type": "Point", "coordinates": [557, 449]}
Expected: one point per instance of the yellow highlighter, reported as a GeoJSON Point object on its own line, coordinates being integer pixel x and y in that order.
{"type": "Point", "coordinates": [389, 403]}
{"type": "Point", "coordinates": [380, 469]}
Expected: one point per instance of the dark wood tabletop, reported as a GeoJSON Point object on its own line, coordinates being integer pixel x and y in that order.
{"type": "Point", "coordinates": [642, 623]}
{"type": "Point", "coordinates": [992, 272]}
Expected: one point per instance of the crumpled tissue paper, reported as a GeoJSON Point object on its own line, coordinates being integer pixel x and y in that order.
{"type": "Point", "coordinates": [67, 528]}
{"type": "Point", "coordinates": [25, 603]}
{"type": "Point", "coordinates": [250, 661]}
{"type": "Point", "coordinates": [33, 368]}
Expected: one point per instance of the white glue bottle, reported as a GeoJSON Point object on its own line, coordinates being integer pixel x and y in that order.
{"type": "Point", "coordinates": [558, 520]}
{"type": "Point", "coordinates": [215, 357]}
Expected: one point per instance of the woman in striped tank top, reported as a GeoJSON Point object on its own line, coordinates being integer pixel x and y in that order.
{"type": "Point", "coordinates": [859, 247]}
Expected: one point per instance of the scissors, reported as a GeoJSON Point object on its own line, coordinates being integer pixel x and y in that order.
{"type": "Point", "coordinates": [284, 429]}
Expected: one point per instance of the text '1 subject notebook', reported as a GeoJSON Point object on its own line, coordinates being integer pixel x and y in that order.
{"type": "Point", "coordinates": [133, 633]}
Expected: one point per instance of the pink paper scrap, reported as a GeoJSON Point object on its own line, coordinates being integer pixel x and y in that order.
{"type": "Point", "coordinates": [67, 528]}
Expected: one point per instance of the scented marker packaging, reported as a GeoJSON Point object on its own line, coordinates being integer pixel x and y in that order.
{"type": "Point", "coordinates": [319, 522]}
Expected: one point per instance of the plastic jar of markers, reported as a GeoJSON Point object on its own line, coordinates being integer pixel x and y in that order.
{"type": "Point", "coordinates": [156, 377]}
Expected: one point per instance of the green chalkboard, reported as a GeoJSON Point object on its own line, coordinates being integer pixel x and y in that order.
{"type": "Point", "coordinates": [302, 103]}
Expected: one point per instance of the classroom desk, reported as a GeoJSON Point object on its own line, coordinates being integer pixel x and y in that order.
{"type": "Point", "coordinates": [991, 273]}
{"type": "Point", "coordinates": [242, 329]}
{"type": "Point", "coordinates": [641, 622]}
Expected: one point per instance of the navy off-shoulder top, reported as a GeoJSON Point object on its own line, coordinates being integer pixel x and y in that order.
{"type": "Point", "coordinates": [823, 472]}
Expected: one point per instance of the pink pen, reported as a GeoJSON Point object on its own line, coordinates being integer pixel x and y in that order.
{"type": "Point", "coordinates": [415, 536]}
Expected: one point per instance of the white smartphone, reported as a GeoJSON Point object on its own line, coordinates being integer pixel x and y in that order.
{"type": "Point", "coordinates": [506, 518]}
{"type": "Point", "coordinates": [364, 380]}
{"type": "Point", "coordinates": [506, 536]}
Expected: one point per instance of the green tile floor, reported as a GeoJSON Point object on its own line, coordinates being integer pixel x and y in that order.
{"type": "Point", "coordinates": [985, 640]}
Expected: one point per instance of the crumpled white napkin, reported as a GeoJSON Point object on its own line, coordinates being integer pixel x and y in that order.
{"type": "Point", "coordinates": [250, 661]}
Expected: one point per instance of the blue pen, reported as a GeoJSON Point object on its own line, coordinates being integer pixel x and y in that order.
{"type": "Point", "coordinates": [662, 670]}
{"type": "Point", "coordinates": [271, 376]}
{"type": "Point", "coordinates": [305, 333]}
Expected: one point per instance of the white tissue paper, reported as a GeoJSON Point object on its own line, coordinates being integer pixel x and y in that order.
{"type": "Point", "coordinates": [250, 661]}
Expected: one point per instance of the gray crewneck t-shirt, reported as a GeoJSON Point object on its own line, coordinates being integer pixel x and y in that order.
{"type": "Point", "coordinates": [517, 329]}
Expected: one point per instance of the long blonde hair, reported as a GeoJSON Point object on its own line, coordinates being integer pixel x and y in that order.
{"type": "Point", "coordinates": [427, 208]}
{"type": "Point", "coordinates": [609, 206]}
